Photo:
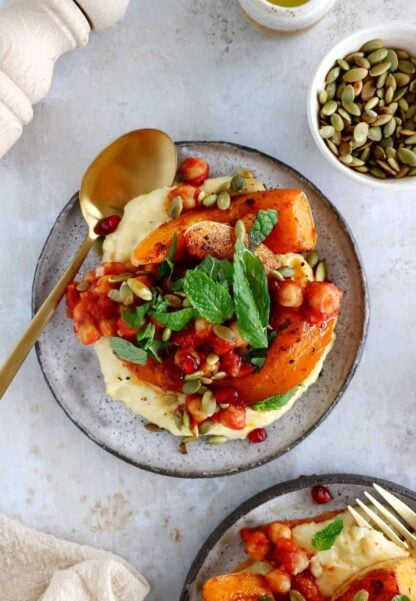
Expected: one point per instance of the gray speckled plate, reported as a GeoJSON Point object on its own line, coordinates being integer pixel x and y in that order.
{"type": "Point", "coordinates": [223, 550]}
{"type": "Point", "coordinates": [75, 380]}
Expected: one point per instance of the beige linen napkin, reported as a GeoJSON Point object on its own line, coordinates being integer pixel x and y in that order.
{"type": "Point", "coordinates": [38, 567]}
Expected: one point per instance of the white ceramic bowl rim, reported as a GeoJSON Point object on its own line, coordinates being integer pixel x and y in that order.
{"type": "Point", "coordinates": [308, 6]}
{"type": "Point", "coordinates": [352, 42]}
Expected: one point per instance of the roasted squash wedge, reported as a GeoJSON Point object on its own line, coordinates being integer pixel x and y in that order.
{"type": "Point", "coordinates": [382, 581]}
{"type": "Point", "coordinates": [294, 232]}
{"type": "Point", "coordinates": [236, 587]}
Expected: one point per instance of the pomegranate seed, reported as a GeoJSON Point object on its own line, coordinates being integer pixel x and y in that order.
{"type": "Point", "coordinates": [108, 225]}
{"type": "Point", "coordinates": [172, 372]}
{"type": "Point", "coordinates": [187, 362]}
{"type": "Point", "coordinates": [226, 395]}
{"type": "Point", "coordinates": [321, 495]}
{"type": "Point", "coordinates": [257, 435]}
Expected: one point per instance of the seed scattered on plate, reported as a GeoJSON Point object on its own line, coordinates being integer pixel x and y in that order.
{"type": "Point", "coordinates": [368, 106]}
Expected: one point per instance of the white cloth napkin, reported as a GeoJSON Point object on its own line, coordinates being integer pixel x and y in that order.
{"type": "Point", "coordinates": [38, 567]}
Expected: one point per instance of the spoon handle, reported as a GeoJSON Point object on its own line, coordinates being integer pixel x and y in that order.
{"type": "Point", "coordinates": [13, 362]}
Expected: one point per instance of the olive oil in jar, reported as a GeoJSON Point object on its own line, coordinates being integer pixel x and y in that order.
{"type": "Point", "coordinates": [288, 3]}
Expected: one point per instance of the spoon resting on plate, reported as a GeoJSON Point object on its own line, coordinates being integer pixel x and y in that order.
{"type": "Point", "coordinates": [136, 163]}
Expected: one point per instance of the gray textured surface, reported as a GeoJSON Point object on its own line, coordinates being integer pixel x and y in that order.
{"type": "Point", "coordinates": [198, 71]}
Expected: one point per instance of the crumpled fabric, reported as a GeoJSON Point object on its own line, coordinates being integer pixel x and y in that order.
{"type": "Point", "coordinates": [38, 567]}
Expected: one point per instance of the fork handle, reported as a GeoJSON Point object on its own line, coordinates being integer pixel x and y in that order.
{"type": "Point", "coordinates": [13, 362]}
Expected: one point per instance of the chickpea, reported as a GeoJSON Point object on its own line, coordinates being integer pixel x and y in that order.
{"type": "Point", "coordinates": [290, 294]}
{"type": "Point", "coordinates": [277, 530]}
{"type": "Point", "coordinates": [279, 581]}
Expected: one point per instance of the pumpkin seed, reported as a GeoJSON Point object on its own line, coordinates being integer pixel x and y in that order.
{"type": "Point", "coordinates": [348, 94]}
{"type": "Point", "coordinates": [274, 273]}
{"type": "Point", "coordinates": [380, 69]}
{"type": "Point", "coordinates": [220, 375]}
{"type": "Point", "coordinates": [223, 201]}
{"type": "Point", "coordinates": [240, 230]}
{"type": "Point", "coordinates": [333, 74]}
{"type": "Point", "coordinates": [405, 170]}
{"type": "Point", "coordinates": [84, 286]}
{"type": "Point", "coordinates": [372, 45]}
{"type": "Point", "coordinates": [208, 403]}
{"type": "Point", "coordinates": [312, 258]}
{"type": "Point", "coordinates": [407, 156]}
{"type": "Point", "coordinates": [329, 108]}
{"type": "Point", "coordinates": [296, 596]}
{"type": "Point", "coordinates": [393, 164]}
{"type": "Point", "coordinates": [205, 380]}
{"type": "Point", "coordinates": [361, 61]}
{"type": "Point", "coordinates": [245, 173]}
{"type": "Point", "coordinates": [115, 296]}
{"type": "Point", "coordinates": [393, 59]}
{"type": "Point", "coordinates": [126, 294]}
{"type": "Point", "coordinates": [209, 200]}
{"type": "Point", "coordinates": [153, 428]}
{"type": "Point", "coordinates": [399, 93]}
{"type": "Point", "coordinates": [352, 108]}
{"type": "Point", "coordinates": [237, 183]}
{"type": "Point", "coordinates": [382, 120]}
{"type": "Point", "coordinates": [191, 387]}
{"type": "Point", "coordinates": [217, 439]}
{"type": "Point", "coordinates": [407, 67]}
{"type": "Point", "coordinates": [386, 168]}
{"type": "Point", "coordinates": [375, 134]}
{"type": "Point", "coordinates": [286, 272]}
{"type": "Point", "coordinates": [361, 133]}
{"type": "Point", "coordinates": [410, 140]}
{"type": "Point", "coordinates": [205, 427]}
{"type": "Point", "coordinates": [196, 375]}
{"type": "Point", "coordinates": [389, 128]}
{"type": "Point", "coordinates": [355, 74]}
{"type": "Point", "coordinates": [327, 131]}
{"type": "Point", "coordinates": [346, 116]}
{"type": "Point", "coordinates": [121, 277]}
{"type": "Point", "coordinates": [333, 147]}
{"type": "Point", "coordinates": [403, 104]}
{"type": "Point", "coordinates": [389, 95]}
{"type": "Point", "coordinates": [224, 333]}
{"type": "Point", "coordinates": [407, 132]}
{"type": "Point", "coordinates": [331, 90]}
{"type": "Point", "coordinates": [169, 399]}
{"type": "Point", "coordinates": [173, 300]}
{"type": "Point", "coordinates": [175, 207]}
{"type": "Point", "coordinates": [346, 159]}
{"type": "Point", "coordinates": [361, 595]}
{"type": "Point", "coordinates": [343, 64]}
{"type": "Point", "coordinates": [140, 289]}
{"type": "Point", "coordinates": [379, 152]}
{"type": "Point", "coordinates": [212, 359]}
{"type": "Point", "coordinates": [186, 302]}
{"type": "Point", "coordinates": [368, 91]}
{"type": "Point", "coordinates": [371, 103]}
{"type": "Point", "coordinates": [402, 79]}
{"type": "Point", "coordinates": [352, 56]}
{"type": "Point", "coordinates": [377, 172]}
{"type": "Point", "coordinates": [201, 196]}
{"type": "Point", "coordinates": [186, 420]}
{"type": "Point", "coordinates": [323, 97]}
{"type": "Point", "coordinates": [320, 271]}
{"type": "Point", "coordinates": [189, 439]}
{"type": "Point", "coordinates": [377, 56]}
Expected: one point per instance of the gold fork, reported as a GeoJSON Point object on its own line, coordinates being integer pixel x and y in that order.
{"type": "Point", "coordinates": [392, 527]}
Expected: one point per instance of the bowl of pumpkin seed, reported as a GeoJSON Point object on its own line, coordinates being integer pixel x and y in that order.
{"type": "Point", "coordinates": [362, 106]}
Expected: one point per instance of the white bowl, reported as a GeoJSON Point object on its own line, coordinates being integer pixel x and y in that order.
{"type": "Point", "coordinates": [275, 19]}
{"type": "Point", "coordinates": [396, 35]}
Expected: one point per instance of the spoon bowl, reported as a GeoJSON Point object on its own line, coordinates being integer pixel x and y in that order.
{"type": "Point", "coordinates": [136, 163]}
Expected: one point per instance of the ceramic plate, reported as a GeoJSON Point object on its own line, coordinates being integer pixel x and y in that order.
{"type": "Point", "coordinates": [75, 380]}
{"type": "Point", "coordinates": [223, 550]}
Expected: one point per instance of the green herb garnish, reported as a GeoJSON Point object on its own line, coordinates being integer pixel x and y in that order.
{"type": "Point", "coordinates": [324, 539]}
{"type": "Point", "coordinates": [274, 402]}
{"type": "Point", "coordinates": [251, 296]}
{"type": "Point", "coordinates": [134, 317]}
{"type": "Point", "coordinates": [262, 226]}
{"type": "Point", "coordinates": [211, 300]}
{"type": "Point", "coordinates": [219, 270]}
{"type": "Point", "coordinates": [125, 350]}
{"type": "Point", "coordinates": [177, 320]}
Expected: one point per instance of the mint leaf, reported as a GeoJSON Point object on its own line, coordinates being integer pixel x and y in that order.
{"type": "Point", "coordinates": [154, 346]}
{"type": "Point", "coordinates": [262, 226]}
{"type": "Point", "coordinates": [166, 268]}
{"type": "Point", "coordinates": [134, 317]}
{"type": "Point", "coordinates": [159, 303]}
{"type": "Point", "coordinates": [324, 539]}
{"type": "Point", "coordinates": [400, 598]}
{"type": "Point", "coordinates": [147, 333]}
{"type": "Point", "coordinates": [177, 320]}
{"type": "Point", "coordinates": [251, 296]}
{"type": "Point", "coordinates": [274, 402]}
{"type": "Point", "coordinates": [212, 301]}
{"type": "Point", "coordinates": [219, 270]}
{"type": "Point", "coordinates": [123, 349]}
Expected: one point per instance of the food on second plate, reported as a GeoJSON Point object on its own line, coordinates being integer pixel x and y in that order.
{"type": "Point", "coordinates": [326, 557]}
{"type": "Point", "coordinates": [211, 312]}
{"type": "Point", "coordinates": [367, 113]}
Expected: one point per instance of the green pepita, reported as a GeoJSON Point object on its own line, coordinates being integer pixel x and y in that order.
{"type": "Point", "coordinates": [393, 60]}
{"type": "Point", "coordinates": [337, 122]}
{"type": "Point", "coordinates": [323, 97]}
{"type": "Point", "coordinates": [208, 403]}
{"type": "Point", "coordinates": [372, 45]}
{"type": "Point", "coordinates": [240, 230]}
{"type": "Point", "coordinates": [209, 200]}
{"type": "Point", "coordinates": [237, 183]}
{"type": "Point", "coordinates": [223, 201]}
{"type": "Point", "coordinates": [320, 272]}
{"type": "Point", "coordinates": [333, 74]}
{"type": "Point", "coordinates": [224, 333]}
{"type": "Point", "coordinates": [361, 133]}
{"type": "Point", "coordinates": [313, 258]}
{"type": "Point", "coordinates": [84, 286]}
{"type": "Point", "coordinates": [361, 595]}
{"type": "Point", "coordinates": [356, 74]}
{"type": "Point", "coordinates": [407, 156]}
{"type": "Point", "coordinates": [410, 140]}
{"type": "Point", "coordinates": [296, 596]}
{"type": "Point", "coordinates": [375, 134]}
{"type": "Point", "coordinates": [169, 399]}
{"type": "Point", "coordinates": [175, 207]}
{"type": "Point", "coordinates": [121, 277]}
{"type": "Point", "coordinates": [196, 375]}
{"type": "Point", "coordinates": [115, 296]}
{"type": "Point", "coordinates": [327, 131]}
{"type": "Point", "coordinates": [380, 69]}
{"type": "Point", "coordinates": [178, 419]}
{"type": "Point", "coordinates": [352, 108]}
{"type": "Point", "coordinates": [329, 108]}
{"type": "Point", "coordinates": [140, 289]}
{"type": "Point", "coordinates": [205, 427]}
{"type": "Point", "coordinates": [287, 272]}
{"type": "Point", "coordinates": [212, 359]}
{"type": "Point", "coordinates": [220, 375]}
{"type": "Point", "coordinates": [126, 294]}
{"type": "Point", "coordinates": [407, 67]}
{"type": "Point", "coordinates": [191, 387]}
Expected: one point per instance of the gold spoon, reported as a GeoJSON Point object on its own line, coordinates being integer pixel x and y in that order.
{"type": "Point", "coordinates": [136, 163]}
